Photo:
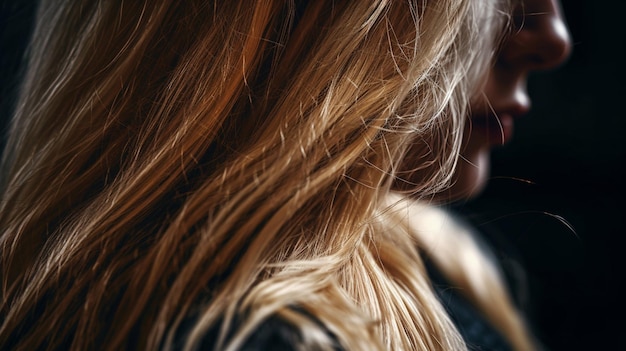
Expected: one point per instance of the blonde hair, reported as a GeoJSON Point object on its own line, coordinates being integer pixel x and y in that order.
{"type": "Point", "coordinates": [234, 160]}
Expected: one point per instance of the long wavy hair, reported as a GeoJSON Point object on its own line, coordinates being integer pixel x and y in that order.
{"type": "Point", "coordinates": [236, 160]}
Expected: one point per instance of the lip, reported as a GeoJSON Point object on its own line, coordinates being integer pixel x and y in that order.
{"type": "Point", "coordinates": [495, 129]}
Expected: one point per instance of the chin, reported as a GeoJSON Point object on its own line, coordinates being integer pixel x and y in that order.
{"type": "Point", "coordinates": [470, 177]}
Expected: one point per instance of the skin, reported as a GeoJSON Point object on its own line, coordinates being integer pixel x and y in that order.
{"type": "Point", "coordinates": [539, 41]}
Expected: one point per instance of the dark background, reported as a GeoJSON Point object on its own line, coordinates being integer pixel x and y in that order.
{"type": "Point", "coordinates": [556, 193]}
{"type": "Point", "coordinates": [567, 163]}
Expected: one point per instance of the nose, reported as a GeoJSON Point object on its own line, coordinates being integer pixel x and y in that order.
{"type": "Point", "coordinates": [540, 39]}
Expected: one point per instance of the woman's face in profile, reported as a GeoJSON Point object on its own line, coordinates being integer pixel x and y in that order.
{"type": "Point", "coordinates": [538, 41]}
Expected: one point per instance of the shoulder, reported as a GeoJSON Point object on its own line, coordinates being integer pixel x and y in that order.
{"type": "Point", "coordinates": [433, 227]}
{"type": "Point", "coordinates": [273, 333]}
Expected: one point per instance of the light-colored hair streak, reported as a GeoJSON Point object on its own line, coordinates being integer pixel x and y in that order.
{"type": "Point", "coordinates": [234, 160]}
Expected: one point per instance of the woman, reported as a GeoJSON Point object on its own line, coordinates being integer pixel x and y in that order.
{"type": "Point", "coordinates": [196, 174]}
